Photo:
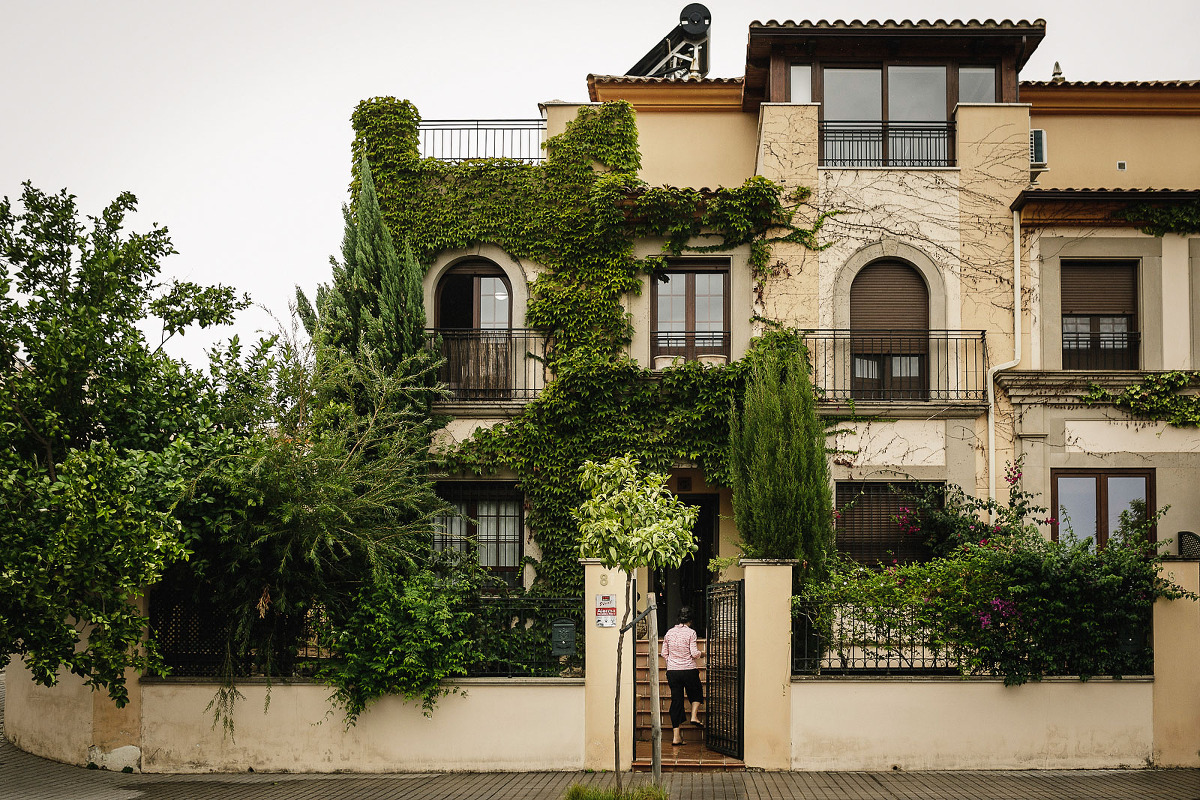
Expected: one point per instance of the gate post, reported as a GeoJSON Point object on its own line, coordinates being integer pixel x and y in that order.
{"type": "Point", "coordinates": [768, 698]}
{"type": "Point", "coordinates": [1176, 681]}
{"type": "Point", "coordinates": [600, 670]}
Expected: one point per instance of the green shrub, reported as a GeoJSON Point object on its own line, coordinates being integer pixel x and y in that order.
{"type": "Point", "coordinates": [578, 792]}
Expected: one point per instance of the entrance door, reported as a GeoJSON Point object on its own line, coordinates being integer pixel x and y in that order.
{"type": "Point", "coordinates": [724, 691]}
{"type": "Point", "coordinates": [685, 585]}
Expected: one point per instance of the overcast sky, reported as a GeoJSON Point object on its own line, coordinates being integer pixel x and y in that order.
{"type": "Point", "coordinates": [230, 120]}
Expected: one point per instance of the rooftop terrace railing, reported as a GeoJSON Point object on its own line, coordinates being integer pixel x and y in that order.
{"type": "Point", "coordinates": [457, 140]}
{"type": "Point", "coordinates": [887, 144]}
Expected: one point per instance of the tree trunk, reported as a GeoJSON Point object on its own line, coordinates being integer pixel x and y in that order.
{"type": "Point", "coordinates": [617, 701]}
{"type": "Point", "coordinates": [655, 703]}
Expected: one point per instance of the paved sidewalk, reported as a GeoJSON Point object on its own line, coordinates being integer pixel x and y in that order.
{"type": "Point", "coordinates": [26, 777]}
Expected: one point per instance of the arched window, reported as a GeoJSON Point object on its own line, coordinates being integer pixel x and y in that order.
{"type": "Point", "coordinates": [474, 295]}
{"type": "Point", "coordinates": [473, 316]}
{"type": "Point", "coordinates": [889, 325]}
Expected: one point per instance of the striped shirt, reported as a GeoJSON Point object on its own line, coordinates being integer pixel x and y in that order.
{"type": "Point", "coordinates": [679, 648]}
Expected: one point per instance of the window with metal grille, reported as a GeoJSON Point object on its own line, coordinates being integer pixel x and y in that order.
{"type": "Point", "coordinates": [867, 530]}
{"type": "Point", "coordinates": [1099, 315]}
{"type": "Point", "coordinates": [489, 520]}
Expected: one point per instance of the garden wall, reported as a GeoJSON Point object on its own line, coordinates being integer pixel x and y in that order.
{"type": "Point", "coordinates": [501, 724]}
{"type": "Point", "coordinates": [951, 723]}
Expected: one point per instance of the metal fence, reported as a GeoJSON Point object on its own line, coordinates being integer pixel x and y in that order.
{"type": "Point", "coordinates": [516, 637]}
{"type": "Point", "coordinates": [870, 364]}
{"type": "Point", "coordinates": [1101, 351]}
{"type": "Point", "coordinates": [462, 139]}
{"type": "Point", "coordinates": [490, 365]}
{"type": "Point", "coordinates": [887, 144]}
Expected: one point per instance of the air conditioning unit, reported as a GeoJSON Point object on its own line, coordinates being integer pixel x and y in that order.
{"type": "Point", "coordinates": [1037, 149]}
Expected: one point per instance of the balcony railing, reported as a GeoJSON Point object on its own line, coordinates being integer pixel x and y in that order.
{"type": "Point", "coordinates": [490, 365]}
{"type": "Point", "coordinates": [1101, 351]}
{"type": "Point", "coordinates": [892, 365]}
{"type": "Point", "coordinates": [887, 144]}
{"type": "Point", "coordinates": [461, 139]}
{"type": "Point", "coordinates": [708, 346]}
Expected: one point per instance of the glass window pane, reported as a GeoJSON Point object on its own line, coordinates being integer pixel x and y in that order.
{"type": "Point", "coordinates": [1077, 332]}
{"type": "Point", "coordinates": [906, 366]}
{"type": "Point", "coordinates": [801, 83]}
{"type": "Point", "coordinates": [493, 303]}
{"type": "Point", "coordinates": [1126, 495]}
{"type": "Point", "coordinates": [672, 303]}
{"type": "Point", "coordinates": [710, 301]}
{"type": "Point", "coordinates": [977, 84]}
{"type": "Point", "coordinates": [855, 94]}
{"type": "Point", "coordinates": [916, 94]}
{"type": "Point", "coordinates": [867, 368]}
{"type": "Point", "coordinates": [1077, 503]}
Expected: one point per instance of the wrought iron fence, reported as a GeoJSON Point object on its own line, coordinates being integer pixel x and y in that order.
{"type": "Point", "coordinates": [862, 639]}
{"type": "Point", "coordinates": [515, 637]}
{"type": "Point", "coordinates": [490, 365]}
{"type": "Point", "coordinates": [457, 140]}
{"type": "Point", "coordinates": [870, 364]}
{"type": "Point", "coordinates": [690, 345]}
{"type": "Point", "coordinates": [887, 144]}
{"type": "Point", "coordinates": [1117, 350]}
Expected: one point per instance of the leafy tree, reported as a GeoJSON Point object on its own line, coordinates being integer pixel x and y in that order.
{"type": "Point", "coordinates": [631, 520]}
{"type": "Point", "coordinates": [376, 297]}
{"type": "Point", "coordinates": [781, 498]}
{"type": "Point", "coordinates": [92, 424]}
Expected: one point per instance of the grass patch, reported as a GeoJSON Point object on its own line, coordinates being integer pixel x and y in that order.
{"type": "Point", "coordinates": [578, 792]}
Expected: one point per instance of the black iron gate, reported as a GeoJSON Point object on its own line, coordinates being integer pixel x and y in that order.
{"type": "Point", "coordinates": [725, 689]}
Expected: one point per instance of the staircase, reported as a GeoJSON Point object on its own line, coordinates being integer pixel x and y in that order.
{"type": "Point", "coordinates": [692, 756]}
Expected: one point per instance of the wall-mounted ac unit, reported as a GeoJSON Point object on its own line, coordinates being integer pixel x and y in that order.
{"type": "Point", "coordinates": [1037, 149]}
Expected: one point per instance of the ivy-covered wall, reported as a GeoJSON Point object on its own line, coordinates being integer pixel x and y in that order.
{"type": "Point", "coordinates": [578, 215]}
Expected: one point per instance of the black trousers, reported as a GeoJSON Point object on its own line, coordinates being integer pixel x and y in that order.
{"type": "Point", "coordinates": [681, 680]}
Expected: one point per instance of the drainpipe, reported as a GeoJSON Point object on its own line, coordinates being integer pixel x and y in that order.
{"type": "Point", "coordinates": [1016, 359]}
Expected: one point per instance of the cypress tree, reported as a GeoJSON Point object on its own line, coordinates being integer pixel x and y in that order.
{"type": "Point", "coordinates": [781, 499]}
{"type": "Point", "coordinates": [375, 299]}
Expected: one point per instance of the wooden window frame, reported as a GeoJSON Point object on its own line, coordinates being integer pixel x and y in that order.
{"type": "Point", "coordinates": [690, 351]}
{"type": "Point", "coordinates": [1101, 475]}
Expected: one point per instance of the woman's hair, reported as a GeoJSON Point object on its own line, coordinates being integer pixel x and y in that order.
{"type": "Point", "coordinates": [685, 615]}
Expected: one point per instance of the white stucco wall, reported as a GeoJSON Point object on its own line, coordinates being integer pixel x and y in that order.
{"type": "Point", "coordinates": [881, 724]}
{"type": "Point", "coordinates": [500, 725]}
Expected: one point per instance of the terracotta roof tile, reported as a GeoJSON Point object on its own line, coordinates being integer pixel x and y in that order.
{"type": "Point", "coordinates": [1194, 84]}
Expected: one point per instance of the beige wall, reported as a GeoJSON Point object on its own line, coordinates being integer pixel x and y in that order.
{"type": "Point", "coordinates": [881, 724]}
{"type": "Point", "coordinates": [52, 722]}
{"type": "Point", "coordinates": [1083, 151]}
{"type": "Point", "coordinates": [1176, 679]}
{"type": "Point", "coordinates": [601, 670]}
{"type": "Point", "coordinates": [767, 710]}
{"type": "Point", "coordinates": [698, 148]}
{"type": "Point", "coordinates": [500, 724]}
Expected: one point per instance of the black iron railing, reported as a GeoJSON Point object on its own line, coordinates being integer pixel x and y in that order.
{"type": "Point", "coordinates": [515, 637]}
{"type": "Point", "coordinates": [887, 144]}
{"type": "Point", "coordinates": [859, 639]}
{"type": "Point", "coordinates": [490, 365]}
{"type": "Point", "coordinates": [690, 345]}
{"type": "Point", "coordinates": [922, 365]}
{"type": "Point", "coordinates": [461, 139]}
{"type": "Point", "coordinates": [1101, 351]}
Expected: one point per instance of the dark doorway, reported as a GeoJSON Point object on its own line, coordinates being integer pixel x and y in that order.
{"type": "Point", "coordinates": [685, 585]}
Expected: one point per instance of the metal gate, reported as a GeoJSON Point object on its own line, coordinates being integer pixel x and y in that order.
{"type": "Point", "coordinates": [725, 689]}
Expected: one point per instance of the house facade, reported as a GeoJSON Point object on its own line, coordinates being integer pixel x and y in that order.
{"type": "Point", "coordinates": [982, 270]}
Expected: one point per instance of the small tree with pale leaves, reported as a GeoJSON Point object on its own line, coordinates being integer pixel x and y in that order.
{"type": "Point", "coordinates": [630, 521]}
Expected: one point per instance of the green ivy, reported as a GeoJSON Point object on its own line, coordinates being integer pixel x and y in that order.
{"type": "Point", "coordinates": [578, 215]}
{"type": "Point", "coordinates": [1160, 397]}
{"type": "Point", "coordinates": [1159, 220]}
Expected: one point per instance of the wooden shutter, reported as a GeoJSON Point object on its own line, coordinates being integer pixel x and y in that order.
{"type": "Point", "coordinates": [891, 295]}
{"type": "Point", "coordinates": [866, 529]}
{"type": "Point", "coordinates": [1099, 287]}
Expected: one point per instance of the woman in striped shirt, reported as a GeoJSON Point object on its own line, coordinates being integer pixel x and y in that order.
{"type": "Point", "coordinates": [680, 650]}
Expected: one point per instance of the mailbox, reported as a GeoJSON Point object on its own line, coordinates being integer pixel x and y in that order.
{"type": "Point", "coordinates": [562, 637]}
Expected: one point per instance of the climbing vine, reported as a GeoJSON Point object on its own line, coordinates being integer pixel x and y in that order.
{"type": "Point", "coordinates": [1163, 397]}
{"type": "Point", "coordinates": [1159, 220]}
{"type": "Point", "coordinates": [578, 215]}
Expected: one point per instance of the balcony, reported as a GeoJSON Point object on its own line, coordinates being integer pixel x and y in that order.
{"type": "Point", "coordinates": [486, 366]}
{"type": "Point", "coordinates": [1102, 351]}
{"type": "Point", "coordinates": [887, 144]}
{"type": "Point", "coordinates": [935, 366]}
{"type": "Point", "coordinates": [709, 347]}
{"type": "Point", "coordinates": [456, 140]}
